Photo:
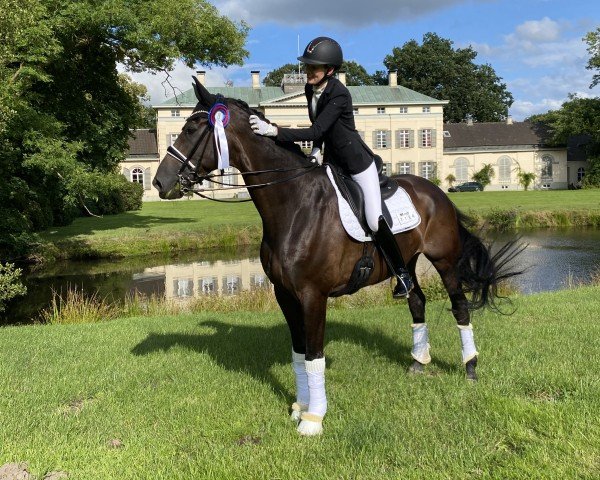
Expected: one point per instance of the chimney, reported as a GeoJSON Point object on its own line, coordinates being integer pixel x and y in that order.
{"type": "Point", "coordinates": [393, 78]}
{"type": "Point", "coordinates": [255, 78]}
{"type": "Point", "coordinates": [201, 75]}
{"type": "Point", "coordinates": [342, 77]}
{"type": "Point", "coordinates": [509, 120]}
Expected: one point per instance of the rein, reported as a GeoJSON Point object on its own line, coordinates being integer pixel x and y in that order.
{"type": "Point", "coordinates": [218, 119]}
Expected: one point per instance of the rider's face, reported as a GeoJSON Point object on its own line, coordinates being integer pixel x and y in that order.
{"type": "Point", "coordinates": [315, 73]}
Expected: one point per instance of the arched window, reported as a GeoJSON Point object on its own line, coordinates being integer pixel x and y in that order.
{"type": "Point", "coordinates": [461, 167]}
{"type": "Point", "coordinates": [547, 167]}
{"type": "Point", "coordinates": [580, 174]}
{"type": "Point", "coordinates": [137, 175]}
{"type": "Point", "coordinates": [504, 169]}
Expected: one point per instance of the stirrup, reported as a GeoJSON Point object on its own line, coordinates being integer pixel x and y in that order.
{"type": "Point", "coordinates": [404, 286]}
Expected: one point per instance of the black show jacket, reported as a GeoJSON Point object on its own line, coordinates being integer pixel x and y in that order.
{"type": "Point", "coordinates": [333, 125]}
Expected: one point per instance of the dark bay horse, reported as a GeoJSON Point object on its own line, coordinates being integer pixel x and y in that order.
{"type": "Point", "coordinates": [309, 257]}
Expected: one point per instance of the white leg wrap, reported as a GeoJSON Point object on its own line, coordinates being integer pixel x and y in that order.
{"type": "Point", "coordinates": [317, 405]}
{"type": "Point", "coordinates": [302, 395]}
{"type": "Point", "coordinates": [420, 350]}
{"type": "Point", "coordinates": [468, 344]}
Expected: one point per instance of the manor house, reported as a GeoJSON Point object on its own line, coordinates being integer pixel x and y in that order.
{"type": "Point", "coordinates": [404, 127]}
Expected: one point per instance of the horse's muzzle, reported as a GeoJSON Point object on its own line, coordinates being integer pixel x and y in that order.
{"type": "Point", "coordinates": [172, 193]}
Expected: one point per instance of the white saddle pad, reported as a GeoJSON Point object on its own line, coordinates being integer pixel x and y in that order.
{"type": "Point", "coordinates": [403, 212]}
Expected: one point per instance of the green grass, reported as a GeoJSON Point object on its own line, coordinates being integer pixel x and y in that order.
{"type": "Point", "coordinates": [166, 228]}
{"type": "Point", "coordinates": [206, 396]}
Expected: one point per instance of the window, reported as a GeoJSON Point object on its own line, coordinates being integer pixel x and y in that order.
{"type": "Point", "coordinates": [386, 168]}
{"type": "Point", "coordinates": [504, 169]}
{"type": "Point", "coordinates": [580, 174]}
{"type": "Point", "coordinates": [403, 139]}
{"type": "Point", "coordinates": [232, 284]}
{"type": "Point", "coordinates": [404, 168]}
{"type": "Point", "coordinates": [380, 110]}
{"type": "Point", "coordinates": [426, 109]}
{"type": "Point", "coordinates": [137, 175]}
{"type": "Point", "coordinates": [403, 109]}
{"type": "Point", "coordinates": [427, 170]}
{"type": "Point", "coordinates": [426, 138]}
{"type": "Point", "coordinates": [171, 138]}
{"type": "Point", "coordinates": [461, 168]}
{"type": "Point", "coordinates": [547, 167]}
{"type": "Point", "coordinates": [355, 110]}
{"type": "Point", "coordinates": [259, 281]}
{"type": "Point", "coordinates": [175, 113]}
{"type": "Point", "coordinates": [230, 176]}
{"type": "Point", "coordinates": [207, 285]}
{"type": "Point", "coordinates": [306, 144]}
{"type": "Point", "coordinates": [381, 139]}
{"type": "Point", "coordinates": [183, 287]}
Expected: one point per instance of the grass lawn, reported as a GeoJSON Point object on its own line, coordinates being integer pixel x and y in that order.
{"type": "Point", "coordinates": [166, 227]}
{"type": "Point", "coordinates": [206, 396]}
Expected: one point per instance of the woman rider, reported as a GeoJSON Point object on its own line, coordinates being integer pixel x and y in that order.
{"type": "Point", "coordinates": [330, 111]}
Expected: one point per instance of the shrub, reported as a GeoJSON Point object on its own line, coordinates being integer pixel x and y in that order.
{"type": "Point", "coordinates": [10, 284]}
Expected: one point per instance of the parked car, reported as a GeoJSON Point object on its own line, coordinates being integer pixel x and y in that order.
{"type": "Point", "coordinates": [467, 187]}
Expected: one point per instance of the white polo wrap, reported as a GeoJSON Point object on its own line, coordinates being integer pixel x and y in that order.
{"type": "Point", "coordinates": [420, 350]}
{"type": "Point", "coordinates": [468, 344]}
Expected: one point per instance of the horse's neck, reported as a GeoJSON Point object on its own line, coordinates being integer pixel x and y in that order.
{"type": "Point", "coordinates": [276, 202]}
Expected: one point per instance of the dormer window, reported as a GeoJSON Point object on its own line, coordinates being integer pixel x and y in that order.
{"type": "Point", "coordinates": [380, 110]}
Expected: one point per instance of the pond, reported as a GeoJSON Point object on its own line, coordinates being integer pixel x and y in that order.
{"type": "Point", "coordinates": [554, 259]}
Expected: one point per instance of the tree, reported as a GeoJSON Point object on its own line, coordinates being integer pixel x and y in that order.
{"type": "Point", "coordinates": [485, 175]}
{"type": "Point", "coordinates": [275, 77]}
{"type": "Point", "coordinates": [526, 179]}
{"type": "Point", "coordinates": [65, 111]}
{"type": "Point", "coordinates": [450, 178]}
{"type": "Point", "coordinates": [577, 116]}
{"type": "Point", "coordinates": [356, 74]}
{"type": "Point", "coordinates": [593, 48]}
{"type": "Point", "coordinates": [438, 70]}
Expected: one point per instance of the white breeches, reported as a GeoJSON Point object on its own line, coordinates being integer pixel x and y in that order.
{"type": "Point", "coordinates": [369, 183]}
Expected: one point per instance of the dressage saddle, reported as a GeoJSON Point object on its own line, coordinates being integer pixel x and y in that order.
{"type": "Point", "coordinates": [353, 194]}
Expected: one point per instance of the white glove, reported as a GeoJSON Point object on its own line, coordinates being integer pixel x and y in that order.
{"type": "Point", "coordinates": [316, 156]}
{"type": "Point", "coordinates": [260, 127]}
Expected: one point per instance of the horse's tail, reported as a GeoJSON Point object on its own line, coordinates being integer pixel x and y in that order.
{"type": "Point", "coordinates": [479, 271]}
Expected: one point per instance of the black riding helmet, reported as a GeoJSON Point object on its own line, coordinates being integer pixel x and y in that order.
{"type": "Point", "coordinates": [323, 51]}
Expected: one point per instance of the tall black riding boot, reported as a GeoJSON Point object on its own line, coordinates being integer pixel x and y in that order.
{"type": "Point", "coordinates": [391, 253]}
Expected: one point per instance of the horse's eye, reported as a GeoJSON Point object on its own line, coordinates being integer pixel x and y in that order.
{"type": "Point", "coordinates": [191, 129]}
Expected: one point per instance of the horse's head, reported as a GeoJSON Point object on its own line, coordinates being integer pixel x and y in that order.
{"type": "Point", "coordinates": [195, 151]}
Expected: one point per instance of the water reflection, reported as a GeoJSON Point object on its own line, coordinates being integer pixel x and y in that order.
{"type": "Point", "coordinates": [181, 281]}
{"type": "Point", "coordinates": [554, 259]}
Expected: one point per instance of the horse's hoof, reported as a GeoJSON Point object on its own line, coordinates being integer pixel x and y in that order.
{"type": "Point", "coordinates": [416, 368]}
{"type": "Point", "coordinates": [306, 428]}
{"type": "Point", "coordinates": [470, 368]}
{"type": "Point", "coordinates": [310, 424]}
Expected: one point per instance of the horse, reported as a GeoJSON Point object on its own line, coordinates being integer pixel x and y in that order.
{"type": "Point", "coordinates": [307, 254]}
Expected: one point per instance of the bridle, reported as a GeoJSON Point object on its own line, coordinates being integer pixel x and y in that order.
{"type": "Point", "coordinates": [190, 175]}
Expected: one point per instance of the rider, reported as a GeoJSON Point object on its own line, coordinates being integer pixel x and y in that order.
{"type": "Point", "coordinates": [330, 111]}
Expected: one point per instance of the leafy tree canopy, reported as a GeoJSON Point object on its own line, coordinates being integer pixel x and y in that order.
{"type": "Point", "coordinates": [65, 111]}
{"type": "Point", "coordinates": [436, 69]}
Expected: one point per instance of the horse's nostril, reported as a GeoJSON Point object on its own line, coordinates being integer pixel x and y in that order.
{"type": "Point", "coordinates": [156, 183]}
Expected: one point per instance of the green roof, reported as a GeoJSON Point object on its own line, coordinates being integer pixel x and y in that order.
{"type": "Point", "coordinates": [363, 95]}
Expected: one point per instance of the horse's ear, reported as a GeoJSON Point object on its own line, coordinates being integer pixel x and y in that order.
{"type": "Point", "coordinates": [202, 94]}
